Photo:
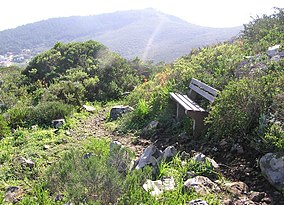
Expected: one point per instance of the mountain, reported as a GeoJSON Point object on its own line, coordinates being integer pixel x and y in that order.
{"type": "Point", "coordinates": [148, 34]}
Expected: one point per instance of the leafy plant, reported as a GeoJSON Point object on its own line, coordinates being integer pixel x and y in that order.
{"type": "Point", "coordinates": [4, 129]}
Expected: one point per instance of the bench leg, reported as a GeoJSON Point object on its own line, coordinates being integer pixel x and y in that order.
{"type": "Point", "coordinates": [180, 112]}
{"type": "Point", "coordinates": [198, 123]}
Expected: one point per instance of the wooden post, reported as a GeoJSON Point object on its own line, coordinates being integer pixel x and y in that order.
{"type": "Point", "coordinates": [198, 122]}
{"type": "Point", "coordinates": [180, 112]}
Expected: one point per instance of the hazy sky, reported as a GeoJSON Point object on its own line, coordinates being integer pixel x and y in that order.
{"type": "Point", "coordinates": [214, 13]}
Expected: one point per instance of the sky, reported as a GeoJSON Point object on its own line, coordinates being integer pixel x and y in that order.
{"type": "Point", "coordinates": [212, 13]}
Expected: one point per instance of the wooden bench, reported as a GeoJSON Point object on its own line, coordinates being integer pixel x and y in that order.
{"type": "Point", "coordinates": [186, 104]}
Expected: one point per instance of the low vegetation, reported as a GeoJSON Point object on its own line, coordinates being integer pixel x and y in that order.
{"type": "Point", "coordinates": [57, 165]}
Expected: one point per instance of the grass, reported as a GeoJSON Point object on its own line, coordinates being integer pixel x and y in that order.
{"type": "Point", "coordinates": [62, 170]}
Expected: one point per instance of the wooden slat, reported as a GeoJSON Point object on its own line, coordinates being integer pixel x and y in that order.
{"type": "Point", "coordinates": [202, 92]}
{"type": "Point", "coordinates": [194, 103]}
{"type": "Point", "coordinates": [205, 87]}
{"type": "Point", "coordinates": [187, 103]}
{"type": "Point", "coordinates": [177, 99]}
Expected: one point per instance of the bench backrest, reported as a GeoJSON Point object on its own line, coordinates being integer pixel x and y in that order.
{"type": "Point", "coordinates": [202, 89]}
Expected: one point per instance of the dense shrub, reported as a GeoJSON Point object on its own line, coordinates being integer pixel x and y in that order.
{"type": "Point", "coordinates": [85, 180]}
{"type": "Point", "coordinates": [263, 31]}
{"type": "Point", "coordinates": [42, 114]}
{"type": "Point", "coordinates": [81, 71]}
{"type": "Point", "coordinates": [238, 109]}
{"type": "Point", "coordinates": [4, 129]}
{"type": "Point", "coordinates": [214, 65]}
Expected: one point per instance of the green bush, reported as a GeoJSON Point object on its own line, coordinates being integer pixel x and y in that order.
{"type": "Point", "coordinates": [242, 110]}
{"type": "Point", "coordinates": [237, 109]}
{"type": "Point", "coordinates": [19, 115]}
{"type": "Point", "coordinates": [4, 128]}
{"type": "Point", "coordinates": [85, 180]}
{"type": "Point", "coordinates": [42, 114]}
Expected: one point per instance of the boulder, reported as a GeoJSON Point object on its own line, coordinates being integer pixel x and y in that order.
{"type": "Point", "coordinates": [201, 158]}
{"type": "Point", "coordinates": [237, 188]}
{"type": "Point", "coordinates": [89, 108]}
{"type": "Point", "coordinates": [159, 186]}
{"type": "Point", "coordinates": [272, 168]}
{"type": "Point", "coordinates": [58, 123]}
{"type": "Point", "coordinates": [276, 58]}
{"type": "Point", "coordinates": [13, 194]}
{"type": "Point", "coordinates": [201, 185]}
{"type": "Point", "coordinates": [150, 156]}
{"type": "Point", "coordinates": [169, 153]}
{"type": "Point", "coordinates": [197, 202]}
{"type": "Point", "coordinates": [257, 196]}
{"type": "Point", "coordinates": [273, 50]}
{"type": "Point", "coordinates": [118, 111]}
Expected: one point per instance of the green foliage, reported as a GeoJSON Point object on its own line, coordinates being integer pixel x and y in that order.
{"type": "Point", "coordinates": [12, 88]}
{"type": "Point", "coordinates": [42, 114]}
{"type": "Point", "coordinates": [214, 65]}
{"type": "Point", "coordinates": [150, 100]}
{"type": "Point", "coordinates": [4, 129]}
{"type": "Point", "coordinates": [76, 72]}
{"type": "Point", "coordinates": [237, 110]}
{"type": "Point", "coordinates": [85, 180]}
{"type": "Point", "coordinates": [264, 31]}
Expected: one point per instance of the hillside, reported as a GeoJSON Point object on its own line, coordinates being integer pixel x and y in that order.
{"type": "Point", "coordinates": [82, 125]}
{"type": "Point", "coordinates": [148, 34]}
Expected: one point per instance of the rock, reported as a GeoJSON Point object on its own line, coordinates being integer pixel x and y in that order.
{"type": "Point", "coordinates": [25, 162]}
{"type": "Point", "coordinates": [276, 58]}
{"type": "Point", "coordinates": [243, 201]}
{"type": "Point", "coordinates": [273, 50]}
{"type": "Point", "coordinates": [201, 185]}
{"type": "Point", "coordinates": [201, 158]}
{"type": "Point", "coordinates": [281, 54]}
{"type": "Point", "coordinates": [118, 111]}
{"type": "Point", "coordinates": [272, 168]}
{"type": "Point", "coordinates": [157, 187]}
{"type": "Point", "coordinates": [87, 155]}
{"type": "Point", "coordinates": [89, 108]}
{"type": "Point", "coordinates": [197, 202]}
{"type": "Point", "coordinates": [45, 147]}
{"type": "Point", "coordinates": [150, 129]}
{"type": "Point", "coordinates": [237, 148]}
{"type": "Point", "coordinates": [257, 196]}
{"type": "Point", "coordinates": [34, 127]}
{"type": "Point", "coordinates": [227, 202]}
{"type": "Point", "coordinates": [150, 156]}
{"type": "Point", "coordinates": [57, 123]}
{"type": "Point", "coordinates": [13, 194]}
{"type": "Point", "coordinates": [119, 157]}
{"type": "Point", "coordinates": [169, 153]}
{"type": "Point", "coordinates": [237, 188]}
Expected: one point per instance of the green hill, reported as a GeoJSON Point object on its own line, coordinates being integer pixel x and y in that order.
{"type": "Point", "coordinates": [148, 34]}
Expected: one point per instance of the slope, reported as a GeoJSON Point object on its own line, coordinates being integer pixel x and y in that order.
{"type": "Point", "coordinates": [148, 34]}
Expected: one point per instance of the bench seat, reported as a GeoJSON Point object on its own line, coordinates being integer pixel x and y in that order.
{"type": "Point", "coordinates": [186, 105]}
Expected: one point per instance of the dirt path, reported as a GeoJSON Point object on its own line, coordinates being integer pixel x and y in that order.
{"type": "Point", "coordinates": [95, 126]}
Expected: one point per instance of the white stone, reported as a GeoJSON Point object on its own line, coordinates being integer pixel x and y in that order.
{"type": "Point", "coordinates": [89, 108]}
{"type": "Point", "coordinates": [151, 156]}
{"type": "Point", "coordinates": [273, 50]}
{"type": "Point", "coordinates": [156, 188]}
{"type": "Point", "coordinates": [272, 168]}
